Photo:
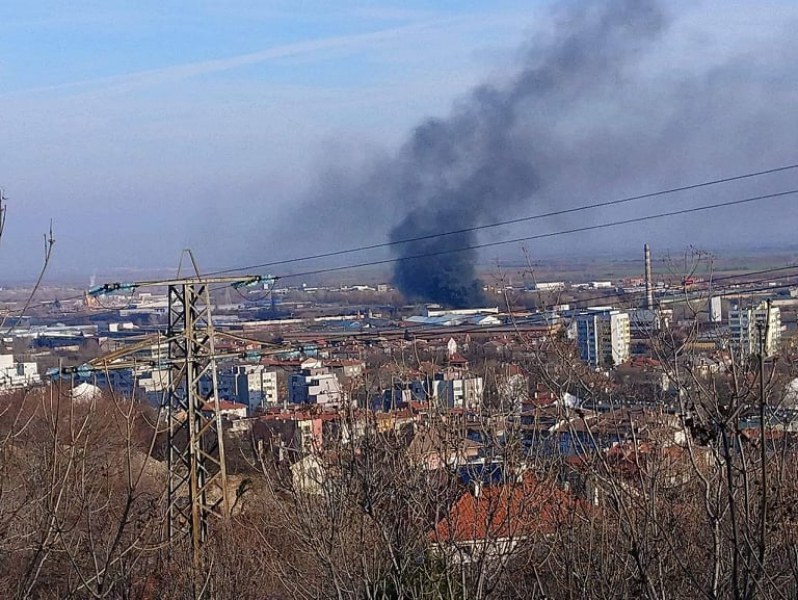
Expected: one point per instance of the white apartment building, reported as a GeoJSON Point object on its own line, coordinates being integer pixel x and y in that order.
{"type": "Point", "coordinates": [17, 375]}
{"type": "Point", "coordinates": [143, 382]}
{"type": "Point", "coordinates": [255, 386]}
{"type": "Point", "coordinates": [314, 384]}
{"type": "Point", "coordinates": [461, 391]}
{"type": "Point", "coordinates": [450, 389]}
{"type": "Point", "coordinates": [715, 310]}
{"type": "Point", "coordinates": [603, 336]}
{"type": "Point", "coordinates": [744, 329]}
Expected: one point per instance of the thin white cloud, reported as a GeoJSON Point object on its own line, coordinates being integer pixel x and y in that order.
{"type": "Point", "coordinates": [184, 71]}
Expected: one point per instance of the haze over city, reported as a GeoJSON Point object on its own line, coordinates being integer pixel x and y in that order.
{"type": "Point", "coordinates": [398, 300]}
{"type": "Point", "coordinates": [257, 132]}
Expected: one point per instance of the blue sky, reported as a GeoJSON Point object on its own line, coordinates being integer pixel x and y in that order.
{"type": "Point", "coordinates": [117, 116]}
{"type": "Point", "coordinates": [47, 44]}
{"type": "Point", "coordinates": [143, 127]}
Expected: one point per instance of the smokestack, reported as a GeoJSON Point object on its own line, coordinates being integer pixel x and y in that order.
{"type": "Point", "coordinates": [649, 285]}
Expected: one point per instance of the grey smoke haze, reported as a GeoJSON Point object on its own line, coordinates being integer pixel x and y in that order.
{"type": "Point", "coordinates": [591, 110]}
{"type": "Point", "coordinates": [280, 135]}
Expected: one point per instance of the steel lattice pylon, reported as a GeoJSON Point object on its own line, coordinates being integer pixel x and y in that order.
{"type": "Point", "coordinates": [197, 478]}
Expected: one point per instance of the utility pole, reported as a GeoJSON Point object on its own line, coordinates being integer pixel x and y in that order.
{"type": "Point", "coordinates": [763, 331]}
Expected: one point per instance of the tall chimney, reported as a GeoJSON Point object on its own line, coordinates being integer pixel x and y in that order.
{"type": "Point", "coordinates": [649, 285]}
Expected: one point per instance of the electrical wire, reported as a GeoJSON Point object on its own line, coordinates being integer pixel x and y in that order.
{"type": "Point", "coordinates": [555, 213]}
{"type": "Point", "coordinates": [496, 243]}
{"type": "Point", "coordinates": [730, 289]}
{"type": "Point", "coordinates": [422, 331]}
{"type": "Point", "coordinates": [547, 235]}
{"type": "Point", "coordinates": [627, 296]}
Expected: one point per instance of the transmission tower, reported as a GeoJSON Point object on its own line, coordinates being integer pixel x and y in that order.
{"type": "Point", "coordinates": [197, 479]}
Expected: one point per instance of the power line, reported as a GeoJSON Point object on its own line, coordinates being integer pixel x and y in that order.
{"type": "Point", "coordinates": [487, 226]}
{"type": "Point", "coordinates": [475, 228]}
{"type": "Point", "coordinates": [540, 236]}
{"type": "Point", "coordinates": [639, 295]}
{"type": "Point", "coordinates": [108, 310]}
{"type": "Point", "coordinates": [540, 317]}
{"type": "Point", "coordinates": [420, 329]}
{"type": "Point", "coordinates": [629, 296]}
{"type": "Point", "coordinates": [730, 289]}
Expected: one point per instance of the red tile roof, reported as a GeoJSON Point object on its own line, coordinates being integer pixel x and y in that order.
{"type": "Point", "coordinates": [345, 362]}
{"type": "Point", "coordinates": [506, 511]}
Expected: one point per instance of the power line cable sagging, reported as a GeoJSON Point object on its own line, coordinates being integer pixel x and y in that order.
{"type": "Point", "coordinates": [552, 234]}
{"type": "Point", "coordinates": [451, 232]}
{"type": "Point", "coordinates": [534, 137]}
{"type": "Point", "coordinates": [619, 223]}
{"type": "Point", "coordinates": [507, 222]}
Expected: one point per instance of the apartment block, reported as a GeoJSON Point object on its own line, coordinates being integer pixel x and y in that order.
{"type": "Point", "coordinates": [314, 384]}
{"type": "Point", "coordinates": [604, 337]}
{"type": "Point", "coordinates": [746, 324]}
{"type": "Point", "coordinates": [256, 386]}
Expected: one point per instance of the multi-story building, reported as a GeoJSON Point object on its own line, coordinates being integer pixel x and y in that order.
{"type": "Point", "coordinates": [400, 395]}
{"type": "Point", "coordinates": [454, 390]}
{"type": "Point", "coordinates": [142, 382]}
{"type": "Point", "coordinates": [715, 310]}
{"type": "Point", "coordinates": [448, 388]}
{"type": "Point", "coordinates": [745, 325]}
{"type": "Point", "coordinates": [604, 337]}
{"type": "Point", "coordinates": [315, 384]}
{"type": "Point", "coordinates": [147, 379]}
{"type": "Point", "coordinates": [644, 322]}
{"type": "Point", "coordinates": [290, 435]}
{"type": "Point", "coordinates": [256, 386]}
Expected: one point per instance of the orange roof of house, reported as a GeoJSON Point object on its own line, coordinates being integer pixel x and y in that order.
{"type": "Point", "coordinates": [280, 415]}
{"type": "Point", "coordinates": [513, 369]}
{"type": "Point", "coordinates": [632, 461]}
{"type": "Point", "coordinates": [400, 413]}
{"type": "Point", "coordinates": [345, 362]}
{"type": "Point", "coordinates": [506, 511]}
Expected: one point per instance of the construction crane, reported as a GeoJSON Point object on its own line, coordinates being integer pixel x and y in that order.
{"type": "Point", "coordinates": [197, 479]}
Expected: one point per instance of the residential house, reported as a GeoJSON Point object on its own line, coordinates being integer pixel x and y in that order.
{"type": "Point", "coordinates": [489, 522]}
{"type": "Point", "coordinates": [228, 410]}
{"type": "Point", "coordinates": [17, 375]}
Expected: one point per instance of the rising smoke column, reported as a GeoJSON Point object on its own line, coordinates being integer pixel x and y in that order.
{"type": "Point", "coordinates": [500, 143]}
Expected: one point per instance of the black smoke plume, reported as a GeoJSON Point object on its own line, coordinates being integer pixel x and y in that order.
{"type": "Point", "coordinates": [491, 154]}
{"type": "Point", "coordinates": [607, 102]}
